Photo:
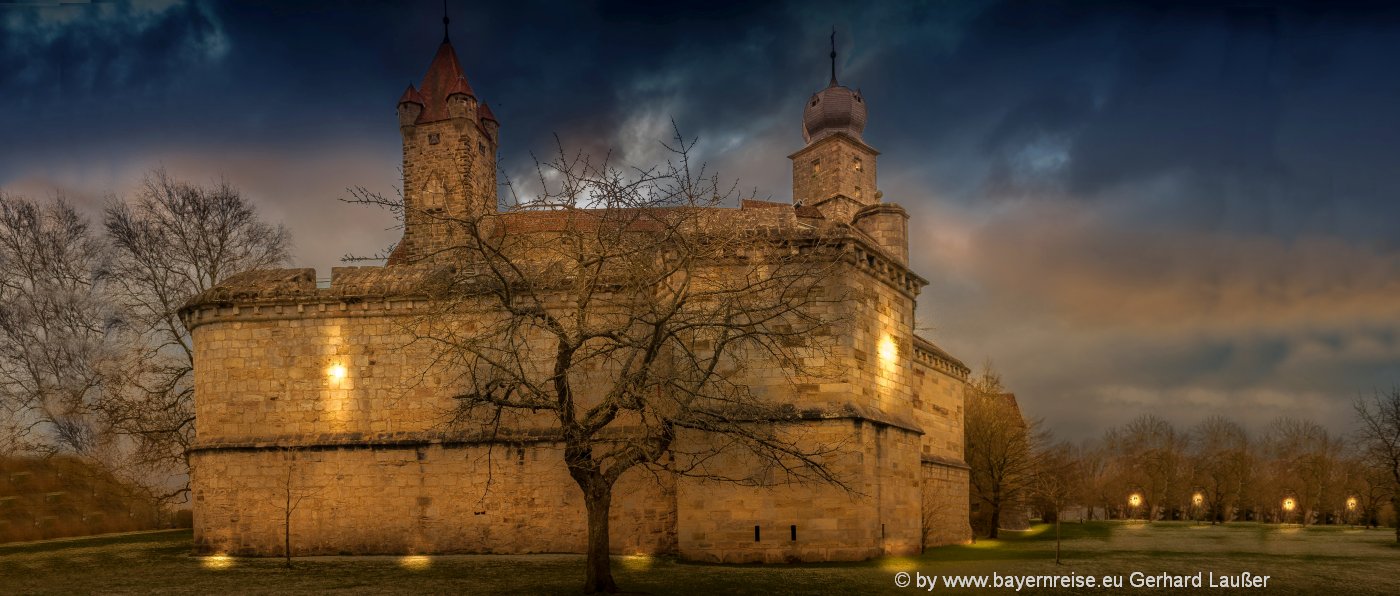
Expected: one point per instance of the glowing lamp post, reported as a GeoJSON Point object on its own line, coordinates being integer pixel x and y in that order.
{"type": "Point", "coordinates": [1197, 500]}
{"type": "Point", "coordinates": [1134, 501]}
{"type": "Point", "coordinates": [1351, 510]}
{"type": "Point", "coordinates": [1289, 504]}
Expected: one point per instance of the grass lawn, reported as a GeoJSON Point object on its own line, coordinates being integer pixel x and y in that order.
{"type": "Point", "coordinates": [1327, 560]}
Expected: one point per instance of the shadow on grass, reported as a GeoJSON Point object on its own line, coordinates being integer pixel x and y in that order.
{"type": "Point", "coordinates": [160, 538]}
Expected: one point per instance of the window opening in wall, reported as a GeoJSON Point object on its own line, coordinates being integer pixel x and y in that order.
{"type": "Point", "coordinates": [882, 531]}
{"type": "Point", "coordinates": [858, 166]}
{"type": "Point", "coordinates": [816, 166]}
{"type": "Point", "coordinates": [434, 138]}
{"type": "Point", "coordinates": [755, 533]}
{"type": "Point", "coordinates": [794, 533]}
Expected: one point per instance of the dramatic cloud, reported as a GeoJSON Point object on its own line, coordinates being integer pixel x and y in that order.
{"type": "Point", "coordinates": [1184, 209]}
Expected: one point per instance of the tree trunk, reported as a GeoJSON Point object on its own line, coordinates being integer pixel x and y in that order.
{"type": "Point", "coordinates": [1395, 506]}
{"type": "Point", "coordinates": [287, 537]}
{"type": "Point", "coordinates": [1057, 540]}
{"type": "Point", "coordinates": [994, 520]}
{"type": "Point", "coordinates": [597, 498]}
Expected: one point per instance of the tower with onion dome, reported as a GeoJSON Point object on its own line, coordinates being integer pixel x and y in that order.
{"type": "Point", "coordinates": [835, 171]}
{"type": "Point", "coordinates": [449, 158]}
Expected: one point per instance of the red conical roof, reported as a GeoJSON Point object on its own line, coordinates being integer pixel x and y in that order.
{"type": "Point", "coordinates": [411, 95]}
{"type": "Point", "coordinates": [460, 86]}
{"type": "Point", "coordinates": [484, 113]}
{"type": "Point", "coordinates": [442, 79]}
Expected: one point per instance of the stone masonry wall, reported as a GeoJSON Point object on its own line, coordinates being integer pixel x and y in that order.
{"type": "Point", "coordinates": [414, 499]}
{"type": "Point", "coordinates": [945, 504]}
{"type": "Point", "coordinates": [834, 165]}
{"type": "Point", "coordinates": [320, 392]}
{"type": "Point", "coordinates": [878, 515]}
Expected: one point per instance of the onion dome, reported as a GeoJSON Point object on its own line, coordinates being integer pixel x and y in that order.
{"type": "Point", "coordinates": [836, 109]}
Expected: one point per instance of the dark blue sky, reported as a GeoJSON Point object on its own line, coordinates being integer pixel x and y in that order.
{"type": "Point", "coordinates": [1179, 208]}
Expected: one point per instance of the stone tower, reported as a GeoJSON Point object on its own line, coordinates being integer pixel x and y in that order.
{"type": "Point", "coordinates": [835, 171]}
{"type": "Point", "coordinates": [449, 158]}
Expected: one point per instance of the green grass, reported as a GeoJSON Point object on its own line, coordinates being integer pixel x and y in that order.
{"type": "Point", "coordinates": [1334, 560]}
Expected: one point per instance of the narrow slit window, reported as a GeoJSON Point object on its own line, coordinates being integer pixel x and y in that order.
{"type": "Point", "coordinates": [794, 532]}
{"type": "Point", "coordinates": [755, 533]}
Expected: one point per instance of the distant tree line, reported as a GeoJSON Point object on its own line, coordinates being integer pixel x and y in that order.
{"type": "Point", "coordinates": [1293, 471]}
{"type": "Point", "coordinates": [94, 362]}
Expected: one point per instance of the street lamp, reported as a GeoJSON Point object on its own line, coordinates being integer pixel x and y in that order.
{"type": "Point", "coordinates": [1134, 501]}
{"type": "Point", "coordinates": [1289, 504]}
{"type": "Point", "coordinates": [1197, 500]}
{"type": "Point", "coordinates": [1351, 510]}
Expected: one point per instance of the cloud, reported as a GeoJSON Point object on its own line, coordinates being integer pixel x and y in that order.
{"type": "Point", "coordinates": [87, 51]}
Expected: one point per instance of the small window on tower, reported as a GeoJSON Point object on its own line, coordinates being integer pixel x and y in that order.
{"type": "Point", "coordinates": [434, 138]}
{"type": "Point", "coordinates": [816, 166]}
{"type": "Point", "coordinates": [480, 148]}
{"type": "Point", "coordinates": [858, 194]}
{"type": "Point", "coordinates": [858, 166]}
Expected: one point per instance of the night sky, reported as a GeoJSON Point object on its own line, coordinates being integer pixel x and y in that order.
{"type": "Point", "coordinates": [1182, 209]}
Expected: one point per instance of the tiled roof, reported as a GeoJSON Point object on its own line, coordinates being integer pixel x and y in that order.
{"type": "Point", "coordinates": [411, 95]}
{"type": "Point", "coordinates": [444, 76]}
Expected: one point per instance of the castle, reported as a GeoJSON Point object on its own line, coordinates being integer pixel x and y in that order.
{"type": "Point", "coordinates": [305, 412]}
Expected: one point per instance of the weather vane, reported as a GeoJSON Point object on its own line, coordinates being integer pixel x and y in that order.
{"type": "Point", "coordinates": [833, 56]}
{"type": "Point", "coordinates": [444, 20]}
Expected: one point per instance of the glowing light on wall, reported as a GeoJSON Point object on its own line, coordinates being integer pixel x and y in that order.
{"type": "Point", "coordinates": [888, 351]}
{"type": "Point", "coordinates": [336, 372]}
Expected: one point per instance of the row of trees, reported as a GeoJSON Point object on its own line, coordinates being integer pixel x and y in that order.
{"type": "Point", "coordinates": [94, 361]}
{"type": "Point", "coordinates": [1294, 471]}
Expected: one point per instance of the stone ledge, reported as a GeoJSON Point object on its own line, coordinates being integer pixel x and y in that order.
{"type": "Point", "coordinates": [944, 462]}
{"type": "Point", "coordinates": [413, 440]}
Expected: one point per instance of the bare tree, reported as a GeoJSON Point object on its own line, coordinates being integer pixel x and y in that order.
{"type": "Point", "coordinates": [1151, 455]}
{"type": "Point", "coordinates": [171, 241]}
{"type": "Point", "coordinates": [998, 447]}
{"type": "Point", "coordinates": [1220, 463]}
{"type": "Point", "coordinates": [1057, 474]}
{"type": "Point", "coordinates": [622, 314]}
{"type": "Point", "coordinates": [292, 490]}
{"type": "Point", "coordinates": [58, 331]}
{"type": "Point", "coordinates": [1305, 461]}
{"type": "Point", "coordinates": [1095, 486]}
{"type": "Point", "coordinates": [1379, 438]}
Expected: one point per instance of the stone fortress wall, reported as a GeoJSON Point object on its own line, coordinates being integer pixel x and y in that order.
{"type": "Point", "coordinates": [319, 397]}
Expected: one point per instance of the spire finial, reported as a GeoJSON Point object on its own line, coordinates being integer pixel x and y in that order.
{"type": "Point", "coordinates": [444, 21]}
{"type": "Point", "coordinates": [833, 56]}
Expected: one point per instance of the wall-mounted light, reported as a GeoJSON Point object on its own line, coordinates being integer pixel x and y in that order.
{"type": "Point", "coordinates": [336, 372]}
{"type": "Point", "coordinates": [888, 350]}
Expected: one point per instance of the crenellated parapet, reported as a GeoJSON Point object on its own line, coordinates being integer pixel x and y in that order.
{"type": "Point", "coordinates": [932, 356]}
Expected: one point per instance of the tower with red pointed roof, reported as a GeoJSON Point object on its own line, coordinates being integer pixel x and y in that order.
{"type": "Point", "coordinates": [449, 158]}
